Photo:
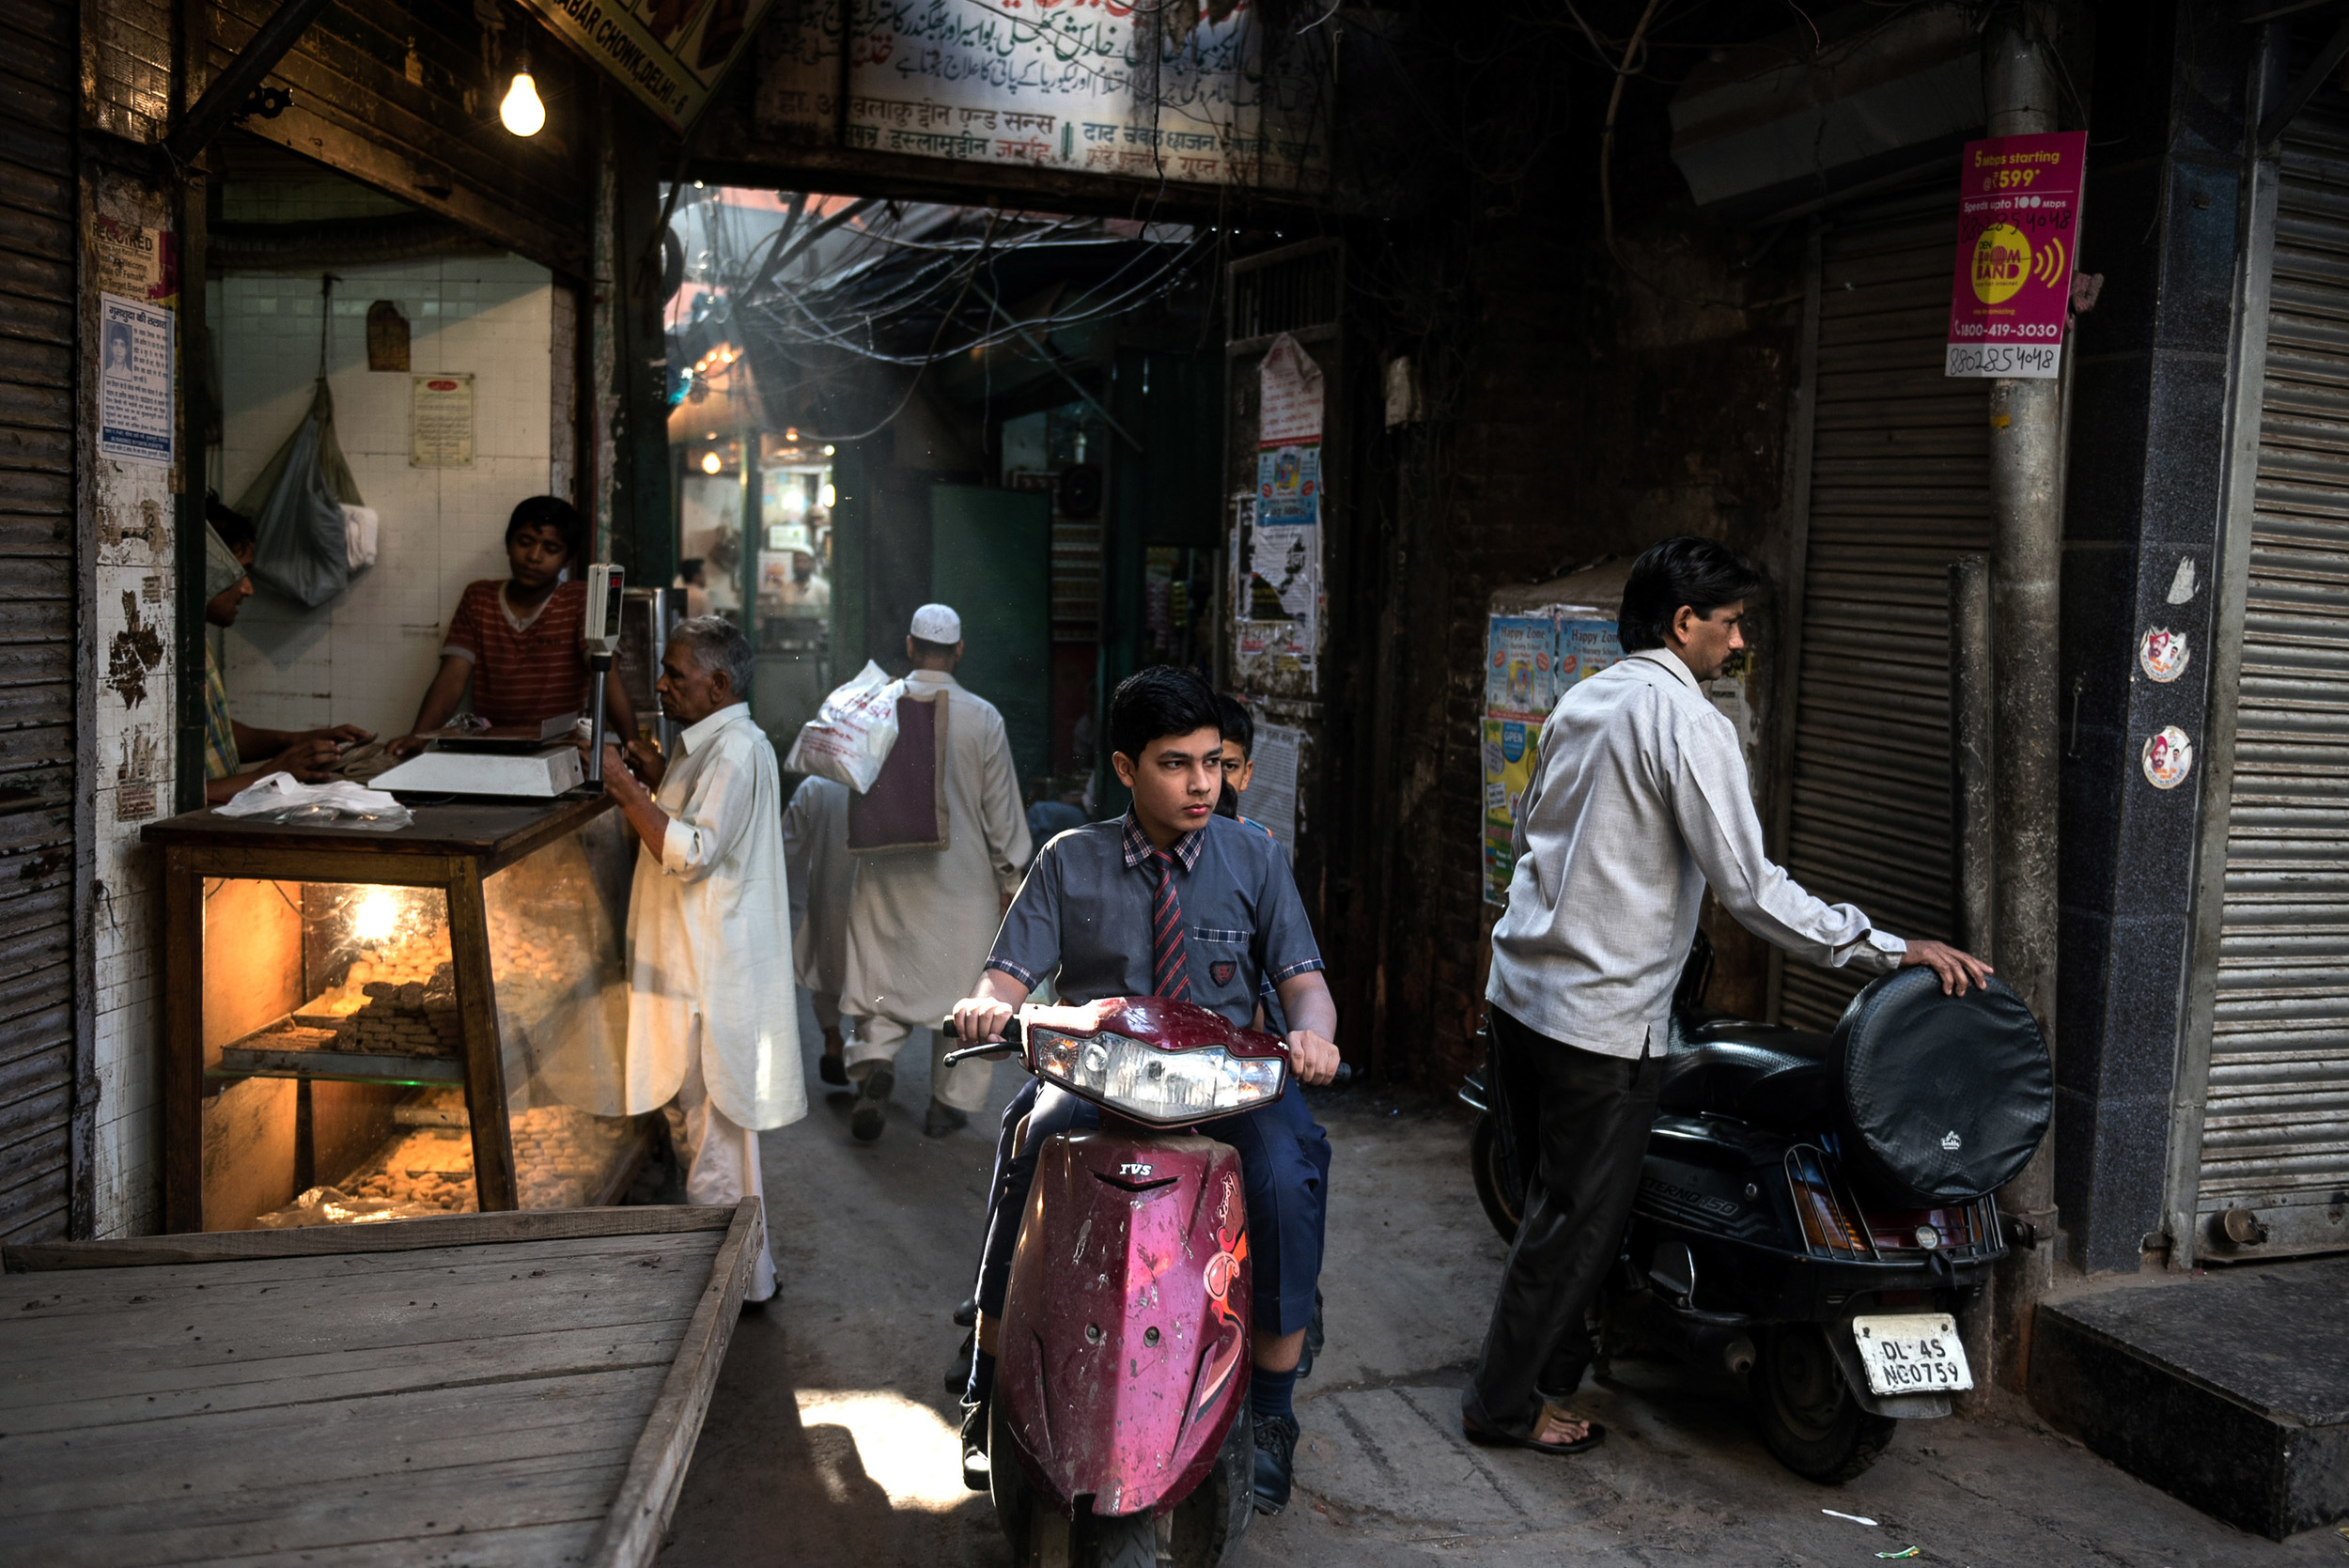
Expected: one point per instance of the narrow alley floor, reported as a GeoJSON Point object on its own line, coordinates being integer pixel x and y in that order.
{"type": "Point", "coordinates": [831, 1442]}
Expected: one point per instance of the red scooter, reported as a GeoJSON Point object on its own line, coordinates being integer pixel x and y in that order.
{"type": "Point", "coordinates": [1116, 1433]}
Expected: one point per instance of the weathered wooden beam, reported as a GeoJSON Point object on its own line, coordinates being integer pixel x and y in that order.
{"type": "Point", "coordinates": [395, 1235]}
{"type": "Point", "coordinates": [210, 113]}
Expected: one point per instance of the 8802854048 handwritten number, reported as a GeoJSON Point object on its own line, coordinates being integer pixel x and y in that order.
{"type": "Point", "coordinates": [2003, 359]}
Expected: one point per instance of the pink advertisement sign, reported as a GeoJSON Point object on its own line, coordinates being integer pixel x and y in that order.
{"type": "Point", "coordinates": [2018, 207]}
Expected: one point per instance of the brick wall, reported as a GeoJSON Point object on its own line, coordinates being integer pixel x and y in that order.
{"type": "Point", "coordinates": [1578, 414]}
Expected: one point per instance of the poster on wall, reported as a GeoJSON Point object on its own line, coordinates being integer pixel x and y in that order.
{"type": "Point", "coordinates": [1177, 94]}
{"type": "Point", "coordinates": [2019, 205]}
{"type": "Point", "coordinates": [441, 421]}
{"type": "Point", "coordinates": [1271, 797]}
{"type": "Point", "coordinates": [134, 423]}
{"type": "Point", "coordinates": [669, 53]}
{"type": "Point", "coordinates": [1509, 749]}
{"type": "Point", "coordinates": [1276, 535]}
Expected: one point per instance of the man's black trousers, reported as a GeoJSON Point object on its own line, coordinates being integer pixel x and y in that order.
{"type": "Point", "coordinates": [1587, 1123]}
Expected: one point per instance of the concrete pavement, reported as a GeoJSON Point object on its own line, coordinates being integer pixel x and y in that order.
{"type": "Point", "coordinates": [830, 1441]}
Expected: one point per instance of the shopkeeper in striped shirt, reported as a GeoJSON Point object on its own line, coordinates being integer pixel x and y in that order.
{"type": "Point", "coordinates": [520, 644]}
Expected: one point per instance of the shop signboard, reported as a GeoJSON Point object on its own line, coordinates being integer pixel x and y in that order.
{"type": "Point", "coordinates": [2018, 211]}
{"type": "Point", "coordinates": [670, 55]}
{"type": "Point", "coordinates": [1162, 93]}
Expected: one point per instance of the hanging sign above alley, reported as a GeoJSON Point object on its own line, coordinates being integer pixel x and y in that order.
{"type": "Point", "coordinates": [670, 54]}
{"type": "Point", "coordinates": [2018, 210]}
{"type": "Point", "coordinates": [1199, 95]}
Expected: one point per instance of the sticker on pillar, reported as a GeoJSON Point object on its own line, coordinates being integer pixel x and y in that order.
{"type": "Point", "coordinates": [2168, 757]}
{"type": "Point", "coordinates": [2162, 654]}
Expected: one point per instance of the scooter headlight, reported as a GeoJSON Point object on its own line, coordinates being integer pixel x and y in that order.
{"type": "Point", "coordinates": [1173, 1087]}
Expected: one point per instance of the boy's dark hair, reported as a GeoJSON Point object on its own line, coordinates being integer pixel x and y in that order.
{"type": "Point", "coordinates": [1239, 725]}
{"type": "Point", "coordinates": [1703, 574]}
{"type": "Point", "coordinates": [234, 528]}
{"type": "Point", "coordinates": [1164, 699]}
{"type": "Point", "coordinates": [550, 511]}
{"type": "Point", "coordinates": [927, 649]}
{"type": "Point", "coordinates": [690, 569]}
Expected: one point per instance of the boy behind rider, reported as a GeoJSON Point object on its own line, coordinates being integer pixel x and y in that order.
{"type": "Point", "coordinates": [1173, 900]}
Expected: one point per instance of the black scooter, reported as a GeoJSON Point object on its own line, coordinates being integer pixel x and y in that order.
{"type": "Point", "coordinates": [1814, 1209]}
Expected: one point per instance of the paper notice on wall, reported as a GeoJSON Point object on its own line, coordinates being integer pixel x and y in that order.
{"type": "Point", "coordinates": [1271, 797]}
{"type": "Point", "coordinates": [1519, 674]}
{"type": "Point", "coordinates": [1510, 748]}
{"type": "Point", "coordinates": [1276, 596]}
{"type": "Point", "coordinates": [134, 423]}
{"type": "Point", "coordinates": [1289, 387]}
{"type": "Point", "coordinates": [441, 421]}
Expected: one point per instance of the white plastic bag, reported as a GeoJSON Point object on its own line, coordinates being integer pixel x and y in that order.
{"type": "Point", "coordinates": [852, 735]}
{"type": "Point", "coordinates": [282, 798]}
{"type": "Point", "coordinates": [360, 524]}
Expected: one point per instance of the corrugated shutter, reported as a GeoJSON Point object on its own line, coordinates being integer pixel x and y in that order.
{"type": "Point", "coordinates": [2276, 1118]}
{"type": "Point", "coordinates": [1899, 485]}
{"type": "Point", "coordinates": [38, 197]}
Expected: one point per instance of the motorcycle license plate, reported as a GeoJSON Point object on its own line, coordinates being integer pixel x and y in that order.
{"type": "Point", "coordinates": [1915, 1353]}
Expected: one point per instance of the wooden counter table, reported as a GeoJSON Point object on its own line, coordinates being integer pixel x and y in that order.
{"type": "Point", "coordinates": [272, 868]}
{"type": "Point", "coordinates": [486, 1389]}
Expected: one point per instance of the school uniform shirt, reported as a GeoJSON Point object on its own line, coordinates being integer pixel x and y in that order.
{"type": "Point", "coordinates": [709, 934]}
{"type": "Point", "coordinates": [823, 880]}
{"type": "Point", "coordinates": [1085, 911]}
{"type": "Point", "coordinates": [1638, 802]}
{"type": "Point", "coordinates": [524, 672]}
{"type": "Point", "coordinates": [920, 920]}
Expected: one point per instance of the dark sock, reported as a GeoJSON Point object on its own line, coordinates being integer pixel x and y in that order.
{"type": "Point", "coordinates": [1269, 1393]}
{"type": "Point", "coordinates": [981, 1377]}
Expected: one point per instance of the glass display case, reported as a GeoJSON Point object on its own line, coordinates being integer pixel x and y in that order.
{"type": "Point", "coordinates": [378, 1025]}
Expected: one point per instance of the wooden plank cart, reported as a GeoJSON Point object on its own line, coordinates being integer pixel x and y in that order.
{"type": "Point", "coordinates": [344, 1005]}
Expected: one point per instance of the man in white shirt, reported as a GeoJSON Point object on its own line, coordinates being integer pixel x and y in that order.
{"type": "Point", "coordinates": [922, 920]}
{"type": "Point", "coordinates": [713, 1022]}
{"type": "Point", "coordinates": [1639, 802]}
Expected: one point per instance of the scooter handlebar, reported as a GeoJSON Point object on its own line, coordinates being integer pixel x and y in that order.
{"type": "Point", "coordinates": [1005, 1046]}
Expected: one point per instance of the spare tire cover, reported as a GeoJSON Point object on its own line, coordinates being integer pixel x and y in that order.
{"type": "Point", "coordinates": [1944, 1099]}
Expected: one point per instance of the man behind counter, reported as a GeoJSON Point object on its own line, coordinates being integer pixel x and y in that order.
{"type": "Point", "coordinates": [229, 745]}
{"type": "Point", "coordinates": [520, 644]}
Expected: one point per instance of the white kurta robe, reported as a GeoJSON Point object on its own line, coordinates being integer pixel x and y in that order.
{"type": "Point", "coordinates": [709, 934]}
{"type": "Point", "coordinates": [823, 878]}
{"type": "Point", "coordinates": [921, 922]}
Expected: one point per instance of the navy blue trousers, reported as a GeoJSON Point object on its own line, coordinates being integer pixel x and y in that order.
{"type": "Point", "coordinates": [1285, 1175]}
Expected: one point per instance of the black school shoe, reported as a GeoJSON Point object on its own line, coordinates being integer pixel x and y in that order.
{"type": "Point", "coordinates": [871, 1112]}
{"type": "Point", "coordinates": [975, 1473]}
{"type": "Point", "coordinates": [1276, 1461]}
{"type": "Point", "coordinates": [832, 1070]}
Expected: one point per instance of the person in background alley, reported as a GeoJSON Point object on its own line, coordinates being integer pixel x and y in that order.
{"type": "Point", "coordinates": [1639, 801]}
{"type": "Point", "coordinates": [309, 755]}
{"type": "Point", "coordinates": [921, 920]}
{"type": "Point", "coordinates": [1239, 757]}
{"type": "Point", "coordinates": [713, 1020]}
{"type": "Point", "coordinates": [823, 878]}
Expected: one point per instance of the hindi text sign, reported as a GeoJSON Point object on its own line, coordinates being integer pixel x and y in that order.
{"type": "Point", "coordinates": [2018, 209]}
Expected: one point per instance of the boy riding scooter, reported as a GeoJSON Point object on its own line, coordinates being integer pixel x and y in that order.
{"type": "Point", "coordinates": [1173, 901]}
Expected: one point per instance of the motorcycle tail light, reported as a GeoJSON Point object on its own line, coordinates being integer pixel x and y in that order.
{"type": "Point", "coordinates": [1169, 1087]}
{"type": "Point", "coordinates": [1923, 1230]}
{"type": "Point", "coordinates": [1828, 1223]}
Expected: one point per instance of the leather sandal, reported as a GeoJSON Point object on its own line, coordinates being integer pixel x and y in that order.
{"type": "Point", "coordinates": [1476, 1432]}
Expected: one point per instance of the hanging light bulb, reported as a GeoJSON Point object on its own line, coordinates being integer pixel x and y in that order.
{"type": "Point", "coordinates": [376, 916]}
{"type": "Point", "coordinates": [523, 114]}
{"type": "Point", "coordinates": [712, 462]}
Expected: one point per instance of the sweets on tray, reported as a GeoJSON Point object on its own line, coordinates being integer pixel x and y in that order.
{"type": "Point", "coordinates": [563, 1156]}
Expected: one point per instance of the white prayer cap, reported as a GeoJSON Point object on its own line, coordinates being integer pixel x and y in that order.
{"type": "Point", "coordinates": [938, 622]}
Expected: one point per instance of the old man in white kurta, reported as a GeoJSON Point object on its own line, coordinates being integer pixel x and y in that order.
{"type": "Point", "coordinates": [714, 1038]}
{"type": "Point", "coordinates": [921, 922]}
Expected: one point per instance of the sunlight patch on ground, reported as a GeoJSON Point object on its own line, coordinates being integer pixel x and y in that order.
{"type": "Point", "coordinates": [904, 1449]}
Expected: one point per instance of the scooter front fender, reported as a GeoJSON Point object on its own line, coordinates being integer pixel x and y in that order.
{"type": "Point", "coordinates": [1124, 1347]}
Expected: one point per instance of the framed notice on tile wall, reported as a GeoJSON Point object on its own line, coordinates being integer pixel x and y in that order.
{"type": "Point", "coordinates": [440, 430]}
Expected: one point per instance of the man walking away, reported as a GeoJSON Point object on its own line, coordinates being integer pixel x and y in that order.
{"type": "Point", "coordinates": [920, 923]}
{"type": "Point", "coordinates": [823, 880]}
{"type": "Point", "coordinates": [1639, 801]}
{"type": "Point", "coordinates": [713, 1024]}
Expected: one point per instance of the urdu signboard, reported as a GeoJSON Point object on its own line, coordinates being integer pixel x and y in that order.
{"type": "Point", "coordinates": [2018, 239]}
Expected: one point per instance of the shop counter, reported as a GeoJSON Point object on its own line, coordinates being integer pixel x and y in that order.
{"type": "Point", "coordinates": [364, 1025]}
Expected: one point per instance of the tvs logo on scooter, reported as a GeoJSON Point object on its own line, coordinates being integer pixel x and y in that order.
{"type": "Point", "coordinates": [1223, 972]}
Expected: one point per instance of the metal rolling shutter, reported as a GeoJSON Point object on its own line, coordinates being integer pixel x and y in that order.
{"type": "Point", "coordinates": [38, 196]}
{"type": "Point", "coordinates": [2275, 1117]}
{"type": "Point", "coordinates": [1899, 485]}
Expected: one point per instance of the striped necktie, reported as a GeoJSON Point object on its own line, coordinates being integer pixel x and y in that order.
{"type": "Point", "coordinates": [1170, 958]}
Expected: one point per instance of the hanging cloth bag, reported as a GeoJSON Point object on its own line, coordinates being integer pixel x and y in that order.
{"type": "Point", "coordinates": [302, 544]}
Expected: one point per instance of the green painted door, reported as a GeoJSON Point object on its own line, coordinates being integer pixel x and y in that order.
{"type": "Point", "coordinates": [991, 559]}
